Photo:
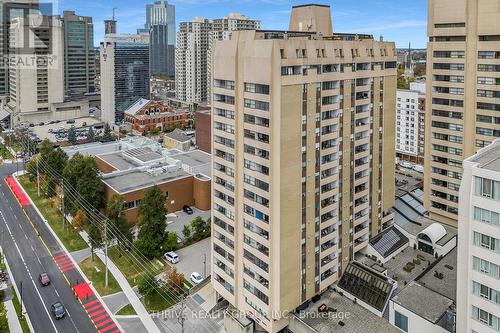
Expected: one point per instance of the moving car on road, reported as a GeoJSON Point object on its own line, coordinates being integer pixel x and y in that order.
{"type": "Point", "coordinates": [196, 278]}
{"type": "Point", "coordinates": [43, 278]}
{"type": "Point", "coordinates": [58, 310]}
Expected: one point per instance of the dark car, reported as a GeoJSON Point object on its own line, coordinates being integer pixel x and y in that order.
{"type": "Point", "coordinates": [71, 121]}
{"type": "Point", "coordinates": [44, 279]}
{"type": "Point", "coordinates": [58, 310]}
{"type": "Point", "coordinates": [187, 209]}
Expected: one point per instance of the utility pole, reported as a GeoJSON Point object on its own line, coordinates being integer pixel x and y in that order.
{"type": "Point", "coordinates": [62, 201]}
{"type": "Point", "coordinates": [204, 265]}
{"type": "Point", "coordinates": [37, 177]}
{"type": "Point", "coordinates": [106, 251]}
{"type": "Point", "coordinates": [182, 318]}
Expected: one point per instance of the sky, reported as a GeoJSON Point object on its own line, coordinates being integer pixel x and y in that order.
{"type": "Point", "coordinates": [401, 21]}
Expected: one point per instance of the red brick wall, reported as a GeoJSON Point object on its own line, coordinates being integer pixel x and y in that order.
{"type": "Point", "coordinates": [203, 131]}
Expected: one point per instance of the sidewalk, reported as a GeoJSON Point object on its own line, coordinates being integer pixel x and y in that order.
{"type": "Point", "coordinates": [14, 324]}
{"type": "Point", "coordinates": [134, 300]}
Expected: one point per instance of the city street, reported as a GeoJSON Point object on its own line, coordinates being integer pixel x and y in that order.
{"type": "Point", "coordinates": [27, 256]}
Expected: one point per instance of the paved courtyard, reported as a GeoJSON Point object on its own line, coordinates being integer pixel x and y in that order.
{"type": "Point", "coordinates": [177, 220]}
{"type": "Point", "coordinates": [191, 258]}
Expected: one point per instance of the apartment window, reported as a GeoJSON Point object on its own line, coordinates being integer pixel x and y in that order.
{"type": "Point", "coordinates": [390, 64]}
{"type": "Point", "coordinates": [453, 127]}
{"type": "Point", "coordinates": [449, 102]}
{"type": "Point", "coordinates": [225, 84]}
{"type": "Point", "coordinates": [448, 39]}
{"type": "Point", "coordinates": [259, 121]}
{"type": "Point", "coordinates": [447, 114]}
{"type": "Point", "coordinates": [487, 188]}
{"type": "Point", "coordinates": [488, 54]}
{"type": "Point", "coordinates": [486, 242]}
{"type": "Point", "coordinates": [486, 216]}
{"type": "Point", "coordinates": [488, 68]}
{"type": "Point", "coordinates": [485, 292]}
{"type": "Point", "coordinates": [258, 105]}
{"type": "Point", "coordinates": [448, 66]}
{"type": "Point", "coordinates": [224, 113]}
{"type": "Point", "coordinates": [488, 106]}
{"type": "Point", "coordinates": [256, 182]}
{"type": "Point", "coordinates": [224, 99]}
{"type": "Point", "coordinates": [401, 321]}
{"type": "Point", "coordinates": [449, 25]}
{"type": "Point", "coordinates": [488, 80]}
{"type": "Point", "coordinates": [257, 88]}
{"type": "Point", "coordinates": [486, 318]}
{"type": "Point", "coordinates": [449, 54]}
{"type": "Point", "coordinates": [486, 267]}
{"type": "Point", "coordinates": [256, 151]}
{"type": "Point", "coordinates": [489, 38]}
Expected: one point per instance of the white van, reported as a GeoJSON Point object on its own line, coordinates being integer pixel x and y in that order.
{"type": "Point", "coordinates": [171, 257]}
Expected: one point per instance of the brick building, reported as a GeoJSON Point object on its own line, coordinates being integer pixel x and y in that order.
{"type": "Point", "coordinates": [202, 120]}
{"type": "Point", "coordinates": [145, 115]}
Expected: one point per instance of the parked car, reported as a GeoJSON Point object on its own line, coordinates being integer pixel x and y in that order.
{"type": "Point", "coordinates": [418, 168]}
{"type": "Point", "coordinates": [407, 165]}
{"type": "Point", "coordinates": [58, 310]}
{"type": "Point", "coordinates": [171, 257]}
{"type": "Point", "coordinates": [43, 278]}
{"type": "Point", "coordinates": [187, 210]}
{"type": "Point", "coordinates": [71, 121]}
{"type": "Point", "coordinates": [196, 278]}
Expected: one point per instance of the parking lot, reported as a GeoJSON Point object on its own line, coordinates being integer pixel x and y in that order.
{"type": "Point", "coordinates": [176, 221]}
{"type": "Point", "coordinates": [57, 131]}
{"type": "Point", "coordinates": [191, 259]}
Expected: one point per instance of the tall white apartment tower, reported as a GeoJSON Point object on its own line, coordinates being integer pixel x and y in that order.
{"type": "Point", "coordinates": [478, 284]}
{"type": "Point", "coordinates": [36, 77]}
{"type": "Point", "coordinates": [193, 55]}
{"type": "Point", "coordinates": [303, 142]}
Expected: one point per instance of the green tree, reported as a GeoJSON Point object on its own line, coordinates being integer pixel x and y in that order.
{"type": "Point", "coordinates": [32, 169]}
{"type": "Point", "coordinates": [198, 226]}
{"type": "Point", "coordinates": [72, 136]}
{"type": "Point", "coordinates": [91, 135]}
{"type": "Point", "coordinates": [171, 242]}
{"type": "Point", "coordinates": [186, 231]}
{"type": "Point", "coordinates": [53, 167]}
{"type": "Point", "coordinates": [147, 284]}
{"type": "Point", "coordinates": [152, 225]}
{"type": "Point", "coordinates": [95, 238]}
{"type": "Point", "coordinates": [82, 173]}
{"type": "Point", "coordinates": [114, 210]}
{"type": "Point", "coordinates": [107, 137]}
{"type": "Point", "coordinates": [45, 148]}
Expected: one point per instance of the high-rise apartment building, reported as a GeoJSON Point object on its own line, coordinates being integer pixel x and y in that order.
{"type": "Point", "coordinates": [463, 98]}
{"type": "Point", "coordinates": [303, 143]}
{"type": "Point", "coordinates": [124, 74]}
{"type": "Point", "coordinates": [160, 22]}
{"type": "Point", "coordinates": [79, 53]}
{"type": "Point", "coordinates": [478, 270]}
{"type": "Point", "coordinates": [36, 75]}
{"type": "Point", "coordinates": [409, 126]}
{"type": "Point", "coordinates": [193, 55]}
{"type": "Point", "coordinates": [8, 12]}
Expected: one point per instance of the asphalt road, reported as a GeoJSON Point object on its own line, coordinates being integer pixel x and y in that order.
{"type": "Point", "coordinates": [28, 256]}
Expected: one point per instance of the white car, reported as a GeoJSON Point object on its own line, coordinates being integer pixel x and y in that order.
{"type": "Point", "coordinates": [171, 257]}
{"type": "Point", "coordinates": [407, 165]}
{"type": "Point", "coordinates": [418, 168]}
{"type": "Point", "coordinates": [196, 277]}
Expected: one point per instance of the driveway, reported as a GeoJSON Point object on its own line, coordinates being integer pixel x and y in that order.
{"type": "Point", "coordinates": [176, 221]}
{"type": "Point", "coordinates": [192, 257]}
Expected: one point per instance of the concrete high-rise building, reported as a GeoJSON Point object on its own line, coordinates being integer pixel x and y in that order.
{"type": "Point", "coordinates": [193, 55]}
{"type": "Point", "coordinates": [124, 74]}
{"type": "Point", "coordinates": [160, 22]}
{"type": "Point", "coordinates": [410, 115]}
{"type": "Point", "coordinates": [478, 269]}
{"type": "Point", "coordinates": [463, 99]}
{"type": "Point", "coordinates": [8, 12]}
{"type": "Point", "coordinates": [109, 27]}
{"type": "Point", "coordinates": [79, 64]}
{"type": "Point", "coordinates": [303, 143]}
{"type": "Point", "coordinates": [36, 76]}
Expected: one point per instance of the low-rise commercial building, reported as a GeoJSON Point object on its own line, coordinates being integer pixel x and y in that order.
{"type": "Point", "coordinates": [145, 115]}
{"type": "Point", "coordinates": [177, 139]}
{"type": "Point", "coordinates": [133, 165]}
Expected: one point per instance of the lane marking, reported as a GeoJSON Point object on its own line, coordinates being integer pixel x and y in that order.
{"type": "Point", "coordinates": [26, 267]}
